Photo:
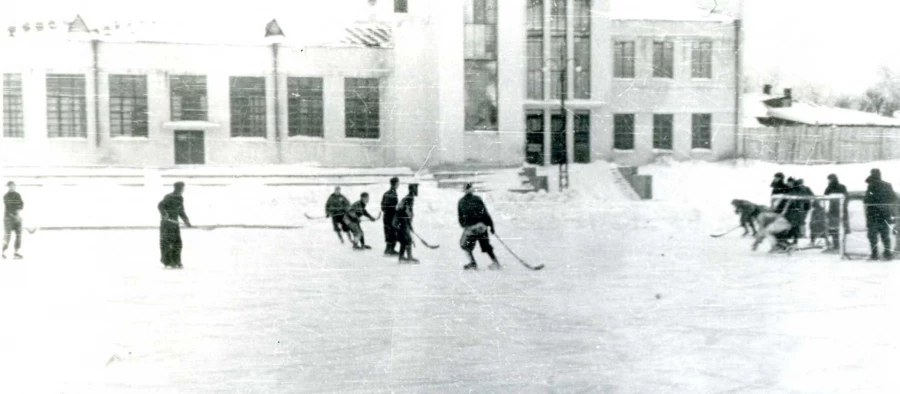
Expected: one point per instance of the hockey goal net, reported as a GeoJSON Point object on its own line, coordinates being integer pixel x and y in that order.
{"type": "Point", "coordinates": [825, 219]}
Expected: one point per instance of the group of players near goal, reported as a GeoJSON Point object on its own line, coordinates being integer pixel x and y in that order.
{"type": "Point", "coordinates": [786, 219]}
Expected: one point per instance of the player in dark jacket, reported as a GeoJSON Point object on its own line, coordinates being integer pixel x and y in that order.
{"type": "Point", "coordinates": [778, 187]}
{"type": "Point", "coordinates": [389, 203]}
{"type": "Point", "coordinates": [335, 208]}
{"type": "Point", "coordinates": [879, 201]}
{"type": "Point", "coordinates": [834, 212]}
{"type": "Point", "coordinates": [12, 222]}
{"type": "Point", "coordinates": [170, 209]}
{"type": "Point", "coordinates": [475, 221]}
{"type": "Point", "coordinates": [403, 223]}
{"type": "Point", "coordinates": [353, 217]}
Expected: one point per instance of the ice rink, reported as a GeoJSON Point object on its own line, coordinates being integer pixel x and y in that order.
{"type": "Point", "coordinates": [635, 298]}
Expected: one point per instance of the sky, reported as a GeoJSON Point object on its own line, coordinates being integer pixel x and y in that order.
{"type": "Point", "coordinates": [836, 44]}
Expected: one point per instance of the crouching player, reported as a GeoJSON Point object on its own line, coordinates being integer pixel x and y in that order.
{"type": "Point", "coordinates": [776, 226]}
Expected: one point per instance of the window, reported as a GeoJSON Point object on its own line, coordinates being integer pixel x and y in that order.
{"type": "Point", "coordinates": [701, 59]}
{"type": "Point", "coordinates": [481, 65]}
{"type": "Point", "coordinates": [701, 131]}
{"type": "Point", "coordinates": [128, 105]}
{"type": "Point", "coordinates": [188, 95]}
{"type": "Point", "coordinates": [557, 59]}
{"type": "Point", "coordinates": [305, 113]}
{"type": "Point", "coordinates": [248, 106]}
{"type": "Point", "coordinates": [624, 59]}
{"type": "Point", "coordinates": [582, 136]}
{"type": "Point", "coordinates": [663, 59]}
{"type": "Point", "coordinates": [662, 132]}
{"type": "Point", "coordinates": [401, 6]}
{"type": "Point", "coordinates": [582, 45]}
{"type": "Point", "coordinates": [535, 49]}
{"type": "Point", "coordinates": [66, 106]}
{"type": "Point", "coordinates": [13, 112]}
{"type": "Point", "coordinates": [362, 108]}
{"type": "Point", "coordinates": [623, 131]}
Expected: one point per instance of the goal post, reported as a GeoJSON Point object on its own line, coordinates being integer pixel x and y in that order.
{"type": "Point", "coordinates": [832, 220]}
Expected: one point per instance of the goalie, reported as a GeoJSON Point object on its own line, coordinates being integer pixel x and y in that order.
{"type": "Point", "coordinates": [774, 225]}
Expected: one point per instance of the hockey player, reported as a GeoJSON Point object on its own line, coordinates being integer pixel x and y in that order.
{"type": "Point", "coordinates": [335, 208]}
{"type": "Point", "coordinates": [834, 213]}
{"type": "Point", "coordinates": [353, 217]}
{"type": "Point", "coordinates": [749, 212]}
{"type": "Point", "coordinates": [879, 199]}
{"type": "Point", "coordinates": [774, 225]}
{"type": "Point", "coordinates": [403, 223]}
{"type": "Point", "coordinates": [475, 221]}
{"type": "Point", "coordinates": [389, 210]}
{"type": "Point", "coordinates": [778, 187]}
{"type": "Point", "coordinates": [12, 222]}
{"type": "Point", "coordinates": [170, 209]}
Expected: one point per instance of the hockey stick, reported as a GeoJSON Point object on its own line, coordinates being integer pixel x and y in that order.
{"type": "Point", "coordinates": [314, 217]}
{"type": "Point", "coordinates": [533, 268]}
{"type": "Point", "coordinates": [722, 234]}
{"type": "Point", "coordinates": [427, 245]}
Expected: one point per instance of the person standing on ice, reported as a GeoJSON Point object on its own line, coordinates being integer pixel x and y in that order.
{"type": "Point", "coordinates": [834, 212]}
{"type": "Point", "coordinates": [354, 217]}
{"type": "Point", "coordinates": [805, 205]}
{"type": "Point", "coordinates": [389, 203]}
{"type": "Point", "coordinates": [475, 221]}
{"type": "Point", "coordinates": [778, 187]}
{"type": "Point", "coordinates": [880, 198]}
{"type": "Point", "coordinates": [170, 209]}
{"type": "Point", "coordinates": [403, 223]}
{"type": "Point", "coordinates": [335, 208]}
{"type": "Point", "coordinates": [12, 222]}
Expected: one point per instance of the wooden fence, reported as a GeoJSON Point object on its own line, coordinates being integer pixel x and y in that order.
{"type": "Point", "coordinates": [820, 144]}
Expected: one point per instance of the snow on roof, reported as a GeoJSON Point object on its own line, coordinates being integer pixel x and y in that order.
{"type": "Point", "coordinates": [808, 113]}
{"type": "Point", "coordinates": [357, 34]}
{"type": "Point", "coordinates": [754, 108]}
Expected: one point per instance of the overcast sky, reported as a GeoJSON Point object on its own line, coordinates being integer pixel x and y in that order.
{"type": "Point", "coordinates": [839, 44]}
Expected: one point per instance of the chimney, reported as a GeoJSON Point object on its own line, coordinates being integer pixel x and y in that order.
{"type": "Point", "coordinates": [788, 100]}
{"type": "Point", "coordinates": [787, 93]}
{"type": "Point", "coordinates": [767, 89]}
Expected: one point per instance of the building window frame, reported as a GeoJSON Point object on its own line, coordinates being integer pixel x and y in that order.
{"type": "Point", "coordinates": [306, 107]}
{"type": "Point", "coordinates": [664, 59]}
{"type": "Point", "coordinates": [480, 66]}
{"type": "Point", "coordinates": [128, 106]}
{"type": "Point", "coordinates": [13, 106]}
{"type": "Point", "coordinates": [247, 105]}
{"type": "Point", "coordinates": [701, 59]}
{"type": "Point", "coordinates": [701, 131]}
{"type": "Point", "coordinates": [623, 55]}
{"type": "Point", "coordinates": [663, 131]}
{"type": "Point", "coordinates": [623, 132]}
{"type": "Point", "coordinates": [534, 47]}
{"type": "Point", "coordinates": [66, 106]}
{"type": "Point", "coordinates": [581, 48]}
{"type": "Point", "coordinates": [188, 97]}
{"type": "Point", "coordinates": [362, 108]}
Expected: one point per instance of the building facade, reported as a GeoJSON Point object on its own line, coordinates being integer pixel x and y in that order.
{"type": "Point", "coordinates": [418, 84]}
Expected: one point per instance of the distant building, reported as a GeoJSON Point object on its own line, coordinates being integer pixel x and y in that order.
{"type": "Point", "coordinates": [418, 83]}
{"type": "Point", "coordinates": [785, 110]}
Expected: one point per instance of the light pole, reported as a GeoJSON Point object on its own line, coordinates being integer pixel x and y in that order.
{"type": "Point", "coordinates": [564, 90]}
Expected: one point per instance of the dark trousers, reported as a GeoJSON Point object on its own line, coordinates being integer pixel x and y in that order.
{"type": "Point", "coordinates": [390, 232]}
{"type": "Point", "coordinates": [170, 243]}
{"type": "Point", "coordinates": [882, 230]}
{"type": "Point", "coordinates": [12, 224]}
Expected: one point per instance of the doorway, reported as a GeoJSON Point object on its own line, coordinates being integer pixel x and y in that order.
{"type": "Point", "coordinates": [534, 137]}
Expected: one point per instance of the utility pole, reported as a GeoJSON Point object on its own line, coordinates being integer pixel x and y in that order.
{"type": "Point", "coordinates": [564, 90]}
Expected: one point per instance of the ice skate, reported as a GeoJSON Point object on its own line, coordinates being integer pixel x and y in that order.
{"type": "Point", "coordinates": [471, 266]}
{"type": "Point", "coordinates": [366, 247]}
{"type": "Point", "coordinates": [17, 257]}
{"type": "Point", "coordinates": [495, 266]}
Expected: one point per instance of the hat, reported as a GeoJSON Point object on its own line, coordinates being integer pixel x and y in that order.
{"type": "Point", "coordinates": [875, 171]}
{"type": "Point", "coordinates": [413, 186]}
{"type": "Point", "coordinates": [779, 175]}
{"type": "Point", "coordinates": [832, 177]}
{"type": "Point", "coordinates": [10, 183]}
{"type": "Point", "coordinates": [468, 186]}
{"type": "Point", "coordinates": [395, 180]}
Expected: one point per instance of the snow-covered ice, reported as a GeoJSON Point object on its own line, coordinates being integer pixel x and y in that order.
{"type": "Point", "coordinates": [294, 311]}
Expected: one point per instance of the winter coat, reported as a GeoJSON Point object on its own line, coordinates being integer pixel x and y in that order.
{"type": "Point", "coordinates": [404, 215]}
{"type": "Point", "coordinates": [471, 211]}
{"type": "Point", "coordinates": [389, 203]}
{"type": "Point", "coordinates": [837, 188]}
{"type": "Point", "coordinates": [336, 205]}
{"type": "Point", "coordinates": [779, 187]}
{"type": "Point", "coordinates": [879, 199]}
{"type": "Point", "coordinates": [12, 203]}
{"type": "Point", "coordinates": [357, 211]}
